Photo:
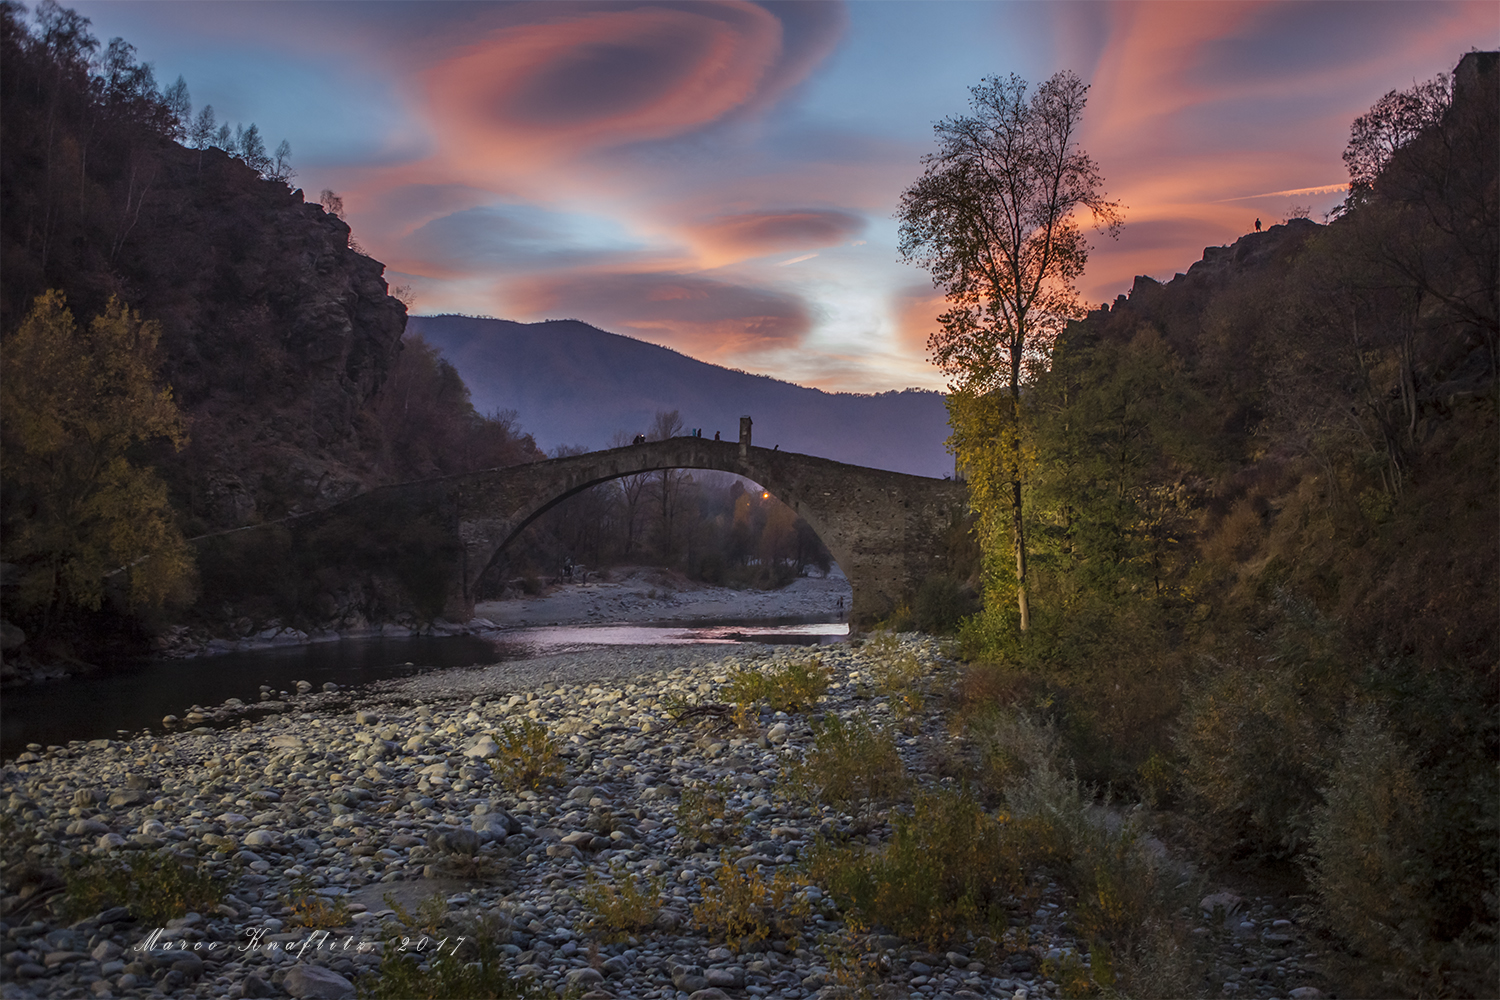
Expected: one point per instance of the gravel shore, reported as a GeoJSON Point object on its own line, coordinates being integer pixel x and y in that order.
{"type": "Point", "coordinates": [387, 795]}
{"type": "Point", "coordinates": [643, 594]}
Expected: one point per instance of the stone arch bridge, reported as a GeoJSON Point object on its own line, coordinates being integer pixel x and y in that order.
{"type": "Point", "coordinates": [433, 539]}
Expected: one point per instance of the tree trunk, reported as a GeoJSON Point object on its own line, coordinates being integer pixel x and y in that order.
{"type": "Point", "coordinates": [1020, 543]}
{"type": "Point", "coordinates": [1017, 526]}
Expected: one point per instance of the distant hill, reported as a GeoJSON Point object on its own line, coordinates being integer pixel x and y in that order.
{"type": "Point", "coordinates": [574, 384]}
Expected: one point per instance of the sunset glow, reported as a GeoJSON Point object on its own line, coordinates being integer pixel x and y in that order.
{"type": "Point", "coordinates": [721, 178]}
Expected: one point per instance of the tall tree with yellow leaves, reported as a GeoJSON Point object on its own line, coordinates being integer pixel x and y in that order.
{"type": "Point", "coordinates": [78, 509]}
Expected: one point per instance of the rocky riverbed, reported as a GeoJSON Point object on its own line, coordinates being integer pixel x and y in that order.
{"type": "Point", "coordinates": [354, 803]}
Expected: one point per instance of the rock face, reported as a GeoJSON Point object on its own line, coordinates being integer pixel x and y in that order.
{"type": "Point", "coordinates": [275, 335]}
{"type": "Point", "coordinates": [274, 331]}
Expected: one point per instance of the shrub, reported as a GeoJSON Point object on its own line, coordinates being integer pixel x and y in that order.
{"type": "Point", "coordinates": [466, 966]}
{"type": "Point", "coordinates": [945, 870]}
{"type": "Point", "coordinates": [742, 908]}
{"type": "Point", "coordinates": [157, 887]}
{"type": "Point", "coordinates": [623, 905]}
{"type": "Point", "coordinates": [792, 687]}
{"type": "Point", "coordinates": [704, 816]}
{"type": "Point", "coordinates": [1129, 908]}
{"type": "Point", "coordinates": [1382, 844]}
{"type": "Point", "coordinates": [897, 672]}
{"type": "Point", "coordinates": [941, 604]}
{"type": "Point", "coordinates": [1012, 747]}
{"type": "Point", "coordinates": [850, 759]}
{"type": "Point", "coordinates": [1128, 898]}
{"type": "Point", "coordinates": [528, 756]}
{"type": "Point", "coordinates": [1252, 747]}
{"type": "Point", "coordinates": [306, 909]}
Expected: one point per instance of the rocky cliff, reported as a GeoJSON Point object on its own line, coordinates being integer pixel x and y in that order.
{"type": "Point", "coordinates": [275, 333]}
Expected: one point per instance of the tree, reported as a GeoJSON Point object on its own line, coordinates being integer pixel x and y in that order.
{"type": "Point", "coordinates": [78, 510]}
{"type": "Point", "coordinates": [253, 149]}
{"type": "Point", "coordinates": [179, 103]}
{"type": "Point", "coordinates": [281, 167]}
{"type": "Point", "coordinates": [204, 128]}
{"type": "Point", "coordinates": [1394, 121]}
{"type": "Point", "coordinates": [995, 219]}
{"type": "Point", "coordinates": [667, 483]}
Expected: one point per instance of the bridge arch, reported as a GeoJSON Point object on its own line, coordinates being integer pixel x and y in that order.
{"type": "Point", "coordinates": [885, 529]}
{"type": "Point", "coordinates": [649, 461]}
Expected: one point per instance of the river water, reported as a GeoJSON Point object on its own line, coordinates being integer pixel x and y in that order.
{"type": "Point", "coordinates": [135, 696]}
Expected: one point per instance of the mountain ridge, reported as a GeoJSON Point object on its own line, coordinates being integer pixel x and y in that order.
{"type": "Point", "coordinates": [573, 384]}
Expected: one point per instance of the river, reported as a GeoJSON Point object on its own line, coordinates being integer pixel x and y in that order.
{"type": "Point", "coordinates": [137, 695]}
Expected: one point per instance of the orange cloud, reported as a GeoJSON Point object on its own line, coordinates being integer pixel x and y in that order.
{"type": "Point", "coordinates": [914, 310]}
{"type": "Point", "coordinates": [752, 234]}
{"type": "Point", "coordinates": [541, 92]}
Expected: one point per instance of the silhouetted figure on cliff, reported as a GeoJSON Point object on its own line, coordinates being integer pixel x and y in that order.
{"type": "Point", "coordinates": [639, 439]}
{"type": "Point", "coordinates": [1257, 225]}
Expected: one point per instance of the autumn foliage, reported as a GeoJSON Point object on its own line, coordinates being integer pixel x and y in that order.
{"type": "Point", "coordinates": [1263, 520]}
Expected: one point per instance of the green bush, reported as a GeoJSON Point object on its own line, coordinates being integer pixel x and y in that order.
{"type": "Point", "coordinates": [1253, 746]}
{"type": "Point", "coordinates": [1382, 862]}
{"type": "Point", "coordinates": [528, 756]}
{"type": "Point", "coordinates": [945, 870]}
{"type": "Point", "coordinates": [791, 687]}
{"type": "Point", "coordinates": [897, 672]}
{"type": "Point", "coordinates": [624, 904]}
{"type": "Point", "coordinates": [744, 908]}
{"type": "Point", "coordinates": [941, 604]}
{"type": "Point", "coordinates": [1128, 900]}
{"type": "Point", "coordinates": [850, 759]}
{"type": "Point", "coordinates": [704, 816]}
{"type": "Point", "coordinates": [465, 964]}
{"type": "Point", "coordinates": [157, 887]}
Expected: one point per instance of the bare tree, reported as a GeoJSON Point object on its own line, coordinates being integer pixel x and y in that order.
{"type": "Point", "coordinates": [253, 149]}
{"type": "Point", "coordinates": [180, 104]}
{"type": "Point", "coordinates": [281, 167]}
{"type": "Point", "coordinates": [995, 219]}
{"type": "Point", "coordinates": [667, 484]}
{"type": "Point", "coordinates": [204, 128]}
{"type": "Point", "coordinates": [632, 494]}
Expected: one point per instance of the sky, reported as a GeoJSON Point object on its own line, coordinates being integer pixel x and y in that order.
{"type": "Point", "coordinates": [722, 178]}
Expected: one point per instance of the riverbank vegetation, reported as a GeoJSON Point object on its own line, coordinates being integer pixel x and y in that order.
{"type": "Point", "coordinates": [1240, 540]}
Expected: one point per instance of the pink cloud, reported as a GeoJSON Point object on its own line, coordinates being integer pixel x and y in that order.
{"type": "Point", "coordinates": [700, 316]}
{"type": "Point", "coordinates": [556, 88]}
{"type": "Point", "coordinates": [750, 234]}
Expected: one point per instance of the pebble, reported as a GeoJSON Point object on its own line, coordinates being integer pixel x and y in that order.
{"type": "Point", "coordinates": [393, 794]}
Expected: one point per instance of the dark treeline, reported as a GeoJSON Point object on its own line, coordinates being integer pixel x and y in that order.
{"type": "Point", "coordinates": [1262, 505]}
{"type": "Point", "coordinates": [710, 526]}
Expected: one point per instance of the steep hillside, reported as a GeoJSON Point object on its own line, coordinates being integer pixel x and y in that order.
{"type": "Point", "coordinates": [573, 384]}
{"type": "Point", "coordinates": [275, 333]}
